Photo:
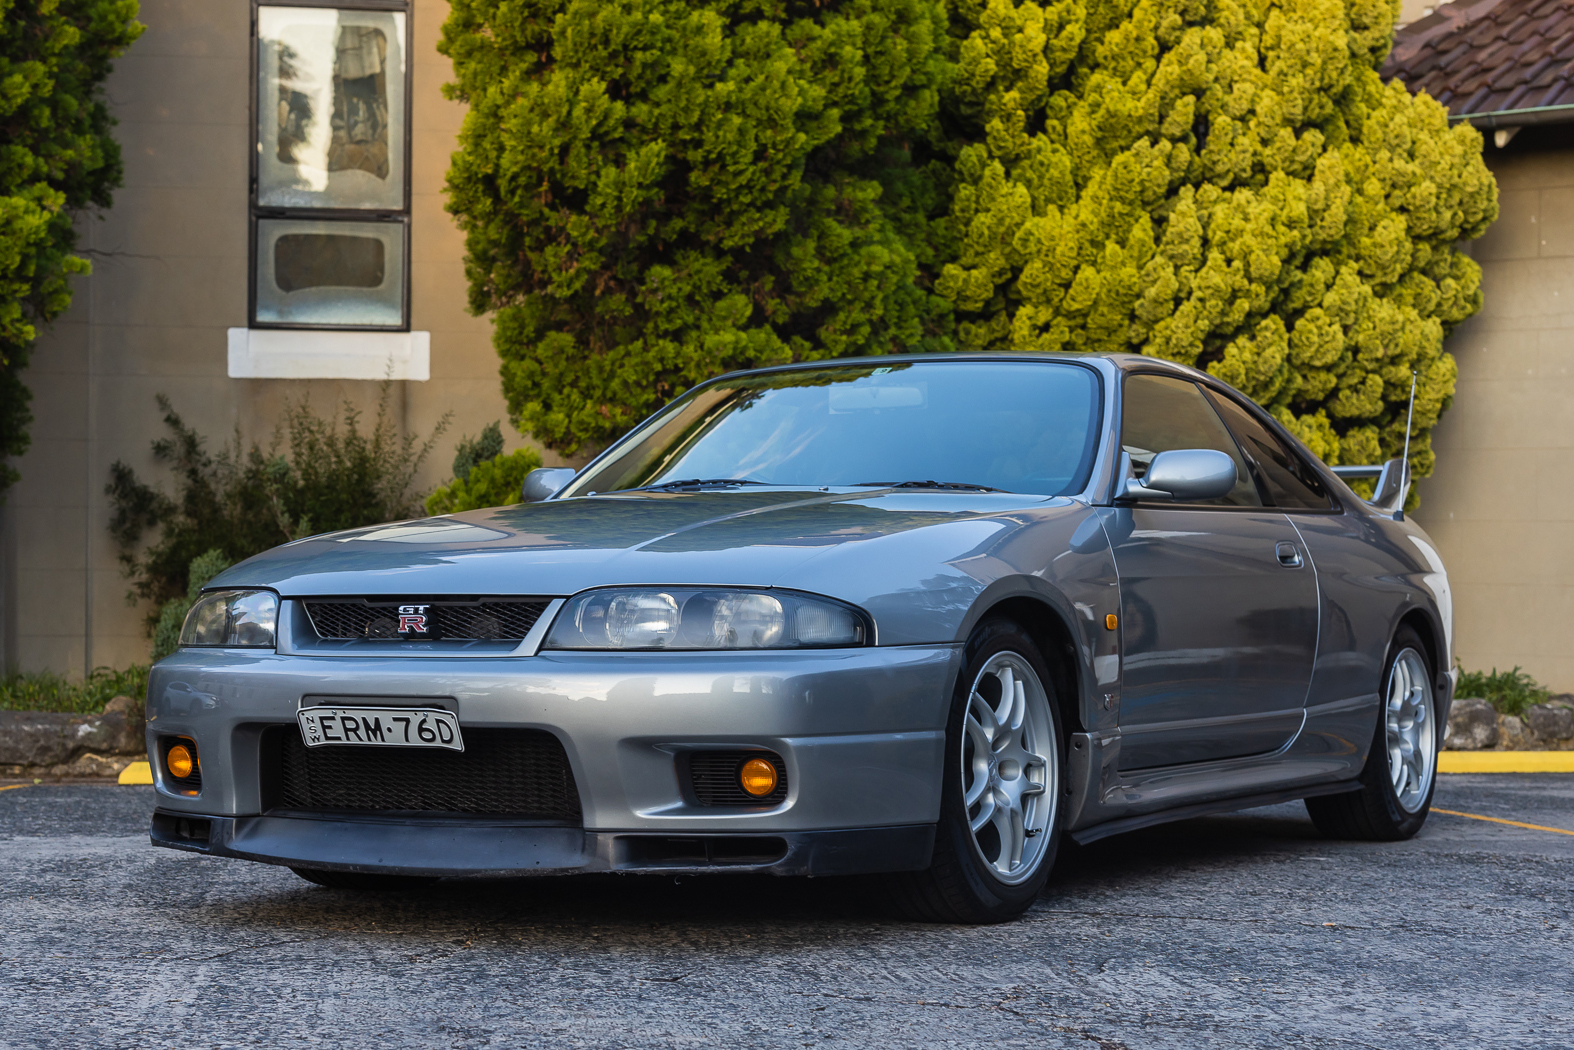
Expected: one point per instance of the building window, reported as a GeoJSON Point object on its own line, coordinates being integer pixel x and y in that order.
{"type": "Point", "coordinates": [330, 178]}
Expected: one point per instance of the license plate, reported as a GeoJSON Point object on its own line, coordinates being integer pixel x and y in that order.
{"type": "Point", "coordinates": [380, 727]}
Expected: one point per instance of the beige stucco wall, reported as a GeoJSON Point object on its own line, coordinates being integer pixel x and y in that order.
{"type": "Point", "coordinates": [1411, 10]}
{"type": "Point", "coordinates": [1500, 504]}
{"type": "Point", "coordinates": [169, 279]}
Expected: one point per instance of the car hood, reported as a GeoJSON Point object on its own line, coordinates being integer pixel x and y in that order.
{"type": "Point", "coordinates": [907, 549]}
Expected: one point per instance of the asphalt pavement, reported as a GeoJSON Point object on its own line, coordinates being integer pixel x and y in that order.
{"type": "Point", "coordinates": [1246, 930]}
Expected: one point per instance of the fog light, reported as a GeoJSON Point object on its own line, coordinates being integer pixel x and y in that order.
{"type": "Point", "coordinates": [180, 762]}
{"type": "Point", "coordinates": [758, 777]}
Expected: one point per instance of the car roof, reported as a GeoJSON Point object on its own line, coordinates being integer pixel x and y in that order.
{"type": "Point", "coordinates": [1117, 361]}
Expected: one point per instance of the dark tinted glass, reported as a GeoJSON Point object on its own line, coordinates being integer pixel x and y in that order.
{"type": "Point", "coordinates": [1029, 427]}
{"type": "Point", "coordinates": [1291, 482]}
{"type": "Point", "coordinates": [322, 260]}
{"type": "Point", "coordinates": [1160, 413]}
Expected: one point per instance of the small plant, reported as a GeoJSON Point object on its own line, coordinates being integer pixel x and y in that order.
{"type": "Point", "coordinates": [489, 445]}
{"type": "Point", "coordinates": [318, 475]}
{"type": "Point", "coordinates": [1508, 691]}
{"type": "Point", "coordinates": [492, 483]}
{"type": "Point", "coordinates": [47, 691]}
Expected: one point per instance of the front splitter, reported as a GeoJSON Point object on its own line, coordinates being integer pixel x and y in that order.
{"type": "Point", "coordinates": [427, 846]}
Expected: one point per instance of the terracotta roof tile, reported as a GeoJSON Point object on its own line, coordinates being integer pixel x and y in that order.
{"type": "Point", "coordinates": [1489, 56]}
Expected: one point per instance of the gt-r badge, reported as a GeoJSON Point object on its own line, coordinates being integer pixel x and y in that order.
{"type": "Point", "coordinates": [412, 619]}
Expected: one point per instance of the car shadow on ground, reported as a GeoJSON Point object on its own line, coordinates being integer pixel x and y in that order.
{"type": "Point", "coordinates": [1226, 838]}
{"type": "Point", "coordinates": [724, 904]}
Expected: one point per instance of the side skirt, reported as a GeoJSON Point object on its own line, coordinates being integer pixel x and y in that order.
{"type": "Point", "coordinates": [1202, 809]}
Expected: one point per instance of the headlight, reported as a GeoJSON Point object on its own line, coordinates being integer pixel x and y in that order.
{"type": "Point", "coordinates": [704, 618]}
{"type": "Point", "coordinates": [237, 619]}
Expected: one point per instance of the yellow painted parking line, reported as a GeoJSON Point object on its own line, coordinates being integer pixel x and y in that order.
{"type": "Point", "coordinates": [137, 773]}
{"type": "Point", "coordinates": [1500, 820]}
{"type": "Point", "coordinates": [13, 787]}
{"type": "Point", "coordinates": [1505, 762]}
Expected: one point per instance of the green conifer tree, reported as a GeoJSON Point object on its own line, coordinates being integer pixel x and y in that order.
{"type": "Point", "coordinates": [655, 191]}
{"type": "Point", "coordinates": [1224, 183]}
{"type": "Point", "coordinates": [56, 157]}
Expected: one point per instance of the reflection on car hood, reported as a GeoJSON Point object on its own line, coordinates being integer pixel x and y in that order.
{"type": "Point", "coordinates": [749, 537]}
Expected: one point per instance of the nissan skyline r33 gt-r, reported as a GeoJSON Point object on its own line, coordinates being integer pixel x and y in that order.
{"type": "Point", "coordinates": [920, 616]}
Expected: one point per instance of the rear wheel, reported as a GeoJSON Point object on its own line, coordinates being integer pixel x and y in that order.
{"type": "Point", "coordinates": [1000, 800]}
{"type": "Point", "coordinates": [1401, 769]}
{"type": "Point", "coordinates": [360, 880]}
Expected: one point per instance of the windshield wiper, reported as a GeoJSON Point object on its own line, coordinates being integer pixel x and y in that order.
{"type": "Point", "coordinates": [694, 484]}
{"type": "Point", "coordinates": [954, 486]}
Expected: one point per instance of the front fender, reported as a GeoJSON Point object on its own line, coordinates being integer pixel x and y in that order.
{"type": "Point", "coordinates": [934, 585]}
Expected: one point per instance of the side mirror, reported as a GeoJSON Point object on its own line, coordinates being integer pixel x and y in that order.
{"type": "Point", "coordinates": [546, 482]}
{"type": "Point", "coordinates": [1185, 474]}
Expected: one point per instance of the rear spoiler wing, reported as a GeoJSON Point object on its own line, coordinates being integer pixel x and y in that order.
{"type": "Point", "coordinates": [1393, 477]}
{"type": "Point", "coordinates": [1393, 485]}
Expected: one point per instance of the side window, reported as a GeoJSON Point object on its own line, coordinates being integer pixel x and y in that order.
{"type": "Point", "coordinates": [1160, 413]}
{"type": "Point", "coordinates": [1291, 483]}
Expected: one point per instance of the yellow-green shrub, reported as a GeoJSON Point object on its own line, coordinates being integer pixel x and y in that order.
{"type": "Point", "coordinates": [493, 482]}
{"type": "Point", "coordinates": [1225, 183]}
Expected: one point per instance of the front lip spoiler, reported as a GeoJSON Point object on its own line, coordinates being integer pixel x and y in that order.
{"type": "Point", "coordinates": [379, 845]}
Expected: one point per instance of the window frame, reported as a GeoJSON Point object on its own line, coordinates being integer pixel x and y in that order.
{"type": "Point", "coordinates": [257, 213]}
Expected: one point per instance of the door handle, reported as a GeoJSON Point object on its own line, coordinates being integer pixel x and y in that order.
{"type": "Point", "coordinates": [1289, 555]}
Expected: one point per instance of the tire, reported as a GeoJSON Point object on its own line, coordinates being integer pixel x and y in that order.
{"type": "Point", "coordinates": [360, 880]}
{"type": "Point", "coordinates": [974, 877]}
{"type": "Point", "coordinates": [1390, 807]}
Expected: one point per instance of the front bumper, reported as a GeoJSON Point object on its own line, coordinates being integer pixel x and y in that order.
{"type": "Point", "coordinates": [861, 732]}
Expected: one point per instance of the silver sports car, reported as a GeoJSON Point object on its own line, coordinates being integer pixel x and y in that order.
{"type": "Point", "coordinates": [920, 616]}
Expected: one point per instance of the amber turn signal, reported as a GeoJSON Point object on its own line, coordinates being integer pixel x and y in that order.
{"type": "Point", "coordinates": [1111, 622]}
{"type": "Point", "coordinates": [180, 761]}
{"type": "Point", "coordinates": [758, 777]}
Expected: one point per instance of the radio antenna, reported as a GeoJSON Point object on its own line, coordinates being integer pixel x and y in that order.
{"type": "Point", "coordinates": [1404, 462]}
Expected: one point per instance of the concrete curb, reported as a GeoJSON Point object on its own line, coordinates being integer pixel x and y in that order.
{"type": "Point", "coordinates": [55, 745]}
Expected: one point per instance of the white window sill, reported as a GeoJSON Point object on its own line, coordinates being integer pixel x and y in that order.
{"type": "Point", "coordinates": [281, 353]}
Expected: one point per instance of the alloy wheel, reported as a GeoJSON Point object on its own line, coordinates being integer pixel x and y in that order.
{"type": "Point", "coordinates": [1010, 767]}
{"type": "Point", "coordinates": [1412, 736]}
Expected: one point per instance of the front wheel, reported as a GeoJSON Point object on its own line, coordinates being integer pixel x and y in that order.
{"type": "Point", "coordinates": [1401, 769]}
{"type": "Point", "coordinates": [1000, 801]}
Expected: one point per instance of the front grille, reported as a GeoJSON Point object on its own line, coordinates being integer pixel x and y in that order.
{"type": "Point", "coordinates": [713, 777]}
{"type": "Point", "coordinates": [466, 619]}
{"type": "Point", "coordinates": [521, 773]}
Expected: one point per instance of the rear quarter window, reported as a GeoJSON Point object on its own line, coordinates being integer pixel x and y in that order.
{"type": "Point", "coordinates": [1291, 482]}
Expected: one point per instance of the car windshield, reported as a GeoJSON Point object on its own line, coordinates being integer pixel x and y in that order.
{"type": "Point", "coordinates": [1027, 427]}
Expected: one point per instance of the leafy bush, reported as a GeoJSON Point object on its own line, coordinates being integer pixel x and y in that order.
{"type": "Point", "coordinates": [172, 616]}
{"type": "Point", "coordinates": [489, 445]}
{"type": "Point", "coordinates": [1227, 185]}
{"type": "Point", "coordinates": [56, 157]}
{"type": "Point", "coordinates": [47, 691]}
{"type": "Point", "coordinates": [1508, 691]}
{"type": "Point", "coordinates": [318, 475]}
{"type": "Point", "coordinates": [493, 483]}
{"type": "Point", "coordinates": [655, 191]}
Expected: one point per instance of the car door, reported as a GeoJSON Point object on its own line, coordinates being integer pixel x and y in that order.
{"type": "Point", "coordinates": [1218, 601]}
